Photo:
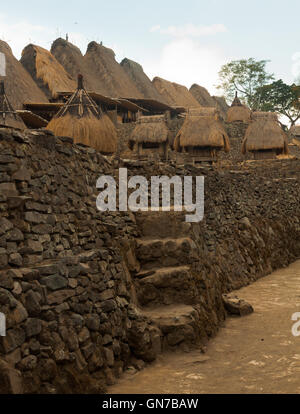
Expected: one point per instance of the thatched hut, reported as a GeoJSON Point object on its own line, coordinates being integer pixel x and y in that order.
{"type": "Point", "coordinates": [8, 116]}
{"type": "Point", "coordinates": [202, 135]}
{"type": "Point", "coordinates": [20, 87]}
{"type": "Point", "coordinates": [150, 136]}
{"type": "Point", "coordinates": [238, 112]}
{"type": "Point", "coordinates": [81, 119]}
{"type": "Point", "coordinates": [264, 137]}
{"type": "Point", "coordinates": [295, 132]}
{"type": "Point", "coordinates": [47, 72]}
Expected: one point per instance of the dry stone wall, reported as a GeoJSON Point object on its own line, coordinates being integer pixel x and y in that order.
{"type": "Point", "coordinates": [68, 282]}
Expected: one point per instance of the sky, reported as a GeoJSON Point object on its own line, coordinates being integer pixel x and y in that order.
{"type": "Point", "coordinates": [183, 41]}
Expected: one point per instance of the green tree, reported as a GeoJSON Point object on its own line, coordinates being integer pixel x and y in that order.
{"type": "Point", "coordinates": [245, 77]}
{"type": "Point", "coordinates": [280, 97]}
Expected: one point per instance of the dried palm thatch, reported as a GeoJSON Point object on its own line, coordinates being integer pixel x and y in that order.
{"type": "Point", "coordinates": [202, 96]}
{"type": "Point", "coordinates": [82, 120]}
{"type": "Point", "coordinates": [202, 131]}
{"type": "Point", "coordinates": [48, 73]}
{"type": "Point", "coordinates": [265, 134]}
{"type": "Point", "coordinates": [238, 112]}
{"type": "Point", "coordinates": [175, 94]}
{"type": "Point", "coordinates": [8, 116]}
{"type": "Point", "coordinates": [150, 129]}
{"type": "Point", "coordinates": [20, 87]}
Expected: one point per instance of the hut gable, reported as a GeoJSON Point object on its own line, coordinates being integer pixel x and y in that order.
{"type": "Point", "coordinates": [110, 74]}
{"type": "Point", "coordinates": [20, 87]}
{"type": "Point", "coordinates": [140, 79]}
{"type": "Point", "coordinates": [46, 71]}
{"type": "Point", "coordinates": [201, 131]}
{"type": "Point", "coordinates": [8, 116]}
{"type": "Point", "coordinates": [151, 129]}
{"type": "Point", "coordinates": [238, 112]}
{"type": "Point", "coordinates": [265, 134]}
{"type": "Point", "coordinates": [81, 119]}
{"type": "Point", "coordinates": [175, 94]}
{"type": "Point", "coordinates": [221, 105]}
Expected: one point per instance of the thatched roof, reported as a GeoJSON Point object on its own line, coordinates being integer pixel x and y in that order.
{"type": "Point", "coordinates": [202, 96]}
{"type": "Point", "coordinates": [265, 133]}
{"type": "Point", "coordinates": [221, 105]}
{"type": "Point", "coordinates": [8, 116]}
{"type": "Point", "coordinates": [136, 73]}
{"type": "Point", "coordinates": [82, 120]}
{"type": "Point", "coordinates": [111, 76]}
{"type": "Point", "coordinates": [205, 111]}
{"type": "Point", "coordinates": [271, 116]}
{"type": "Point", "coordinates": [150, 129]}
{"type": "Point", "coordinates": [48, 73]}
{"type": "Point", "coordinates": [20, 87]}
{"type": "Point", "coordinates": [202, 131]}
{"type": "Point", "coordinates": [238, 112]}
{"type": "Point", "coordinates": [175, 94]}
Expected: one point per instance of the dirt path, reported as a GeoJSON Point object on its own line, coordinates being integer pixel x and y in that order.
{"type": "Point", "coordinates": [255, 354]}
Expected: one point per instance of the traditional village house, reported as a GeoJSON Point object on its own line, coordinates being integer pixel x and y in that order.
{"type": "Point", "coordinates": [264, 137]}
{"type": "Point", "coordinates": [238, 112]}
{"type": "Point", "coordinates": [202, 135]}
{"type": "Point", "coordinates": [81, 119]}
{"type": "Point", "coordinates": [150, 137]}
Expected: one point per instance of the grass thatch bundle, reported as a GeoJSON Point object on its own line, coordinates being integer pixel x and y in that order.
{"type": "Point", "coordinates": [238, 112]}
{"type": "Point", "coordinates": [82, 120]}
{"type": "Point", "coordinates": [8, 116]}
{"type": "Point", "coordinates": [265, 134]}
{"type": "Point", "coordinates": [20, 87]}
{"type": "Point", "coordinates": [202, 131]}
{"type": "Point", "coordinates": [150, 129]}
{"type": "Point", "coordinates": [46, 71]}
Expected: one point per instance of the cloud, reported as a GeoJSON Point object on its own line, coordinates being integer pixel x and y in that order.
{"type": "Point", "coordinates": [296, 65]}
{"type": "Point", "coordinates": [190, 30]}
{"type": "Point", "coordinates": [20, 34]}
{"type": "Point", "coordinates": [186, 61]}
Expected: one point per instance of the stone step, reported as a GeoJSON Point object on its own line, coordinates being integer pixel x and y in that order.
{"type": "Point", "coordinates": [165, 252]}
{"type": "Point", "coordinates": [166, 286]}
{"type": "Point", "coordinates": [179, 325]}
{"type": "Point", "coordinates": [162, 224]}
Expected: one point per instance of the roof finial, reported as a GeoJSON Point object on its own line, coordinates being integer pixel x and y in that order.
{"type": "Point", "coordinates": [80, 82]}
{"type": "Point", "coordinates": [236, 95]}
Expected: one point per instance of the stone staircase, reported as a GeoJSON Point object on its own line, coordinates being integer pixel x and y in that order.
{"type": "Point", "coordinates": [165, 285]}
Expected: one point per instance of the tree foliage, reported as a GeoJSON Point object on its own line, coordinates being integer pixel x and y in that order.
{"type": "Point", "coordinates": [282, 98]}
{"type": "Point", "coordinates": [245, 77]}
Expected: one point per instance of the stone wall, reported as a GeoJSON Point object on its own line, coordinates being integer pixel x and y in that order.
{"type": "Point", "coordinates": [68, 283]}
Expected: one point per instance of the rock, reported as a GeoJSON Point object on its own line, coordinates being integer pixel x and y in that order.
{"type": "Point", "coordinates": [109, 357]}
{"type": "Point", "coordinates": [236, 306]}
{"type": "Point", "coordinates": [6, 281]}
{"type": "Point", "coordinates": [13, 339]}
{"type": "Point", "coordinates": [32, 300]}
{"type": "Point", "coordinates": [93, 322]}
{"type": "Point", "coordinates": [28, 363]}
{"type": "Point", "coordinates": [47, 370]}
{"type": "Point", "coordinates": [5, 225]}
{"type": "Point", "coordinates": [15, 259]}
{"type": "Point", "coordinates": [54, 282]}
{"type": "Point", "coordinates": [33, 327]}
{"type": "Point", "coordinates": [10, 379]}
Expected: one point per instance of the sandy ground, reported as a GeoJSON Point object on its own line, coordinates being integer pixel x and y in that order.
{"type": "Point", "coordinates": [255, 354]}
